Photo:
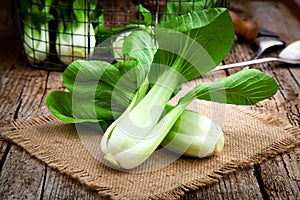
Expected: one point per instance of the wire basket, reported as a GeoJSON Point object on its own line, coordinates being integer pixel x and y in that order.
{"type": "Point", "coordinates": [53, 33]}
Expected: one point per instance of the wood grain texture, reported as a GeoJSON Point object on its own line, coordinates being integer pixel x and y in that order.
{"type": "Point", "coordinates": [24, 89]}
{"type": "Point", "coordinates": [3, 151]}
{"type": "Point", "coordinates": [58, 186]}
{"type": "Point", "coordinates": [287, 26]}
{"type": "Point", "coordinates": [281, 176]}
{"type": "Point", "coordinates": [238, 185]}
{"type": "Point", "coordinates": [21, 176]}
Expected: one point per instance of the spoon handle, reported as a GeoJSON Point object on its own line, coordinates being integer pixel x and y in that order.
{"type": "Point", "coordinates": [245, 63]}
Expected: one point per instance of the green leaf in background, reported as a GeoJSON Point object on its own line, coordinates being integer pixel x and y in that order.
{"type": "Point", "coordinates": [36, 15]}
{"type": "Point", "coordinates": [246, 87]}
{"type": "Point", "coordinates": [36, 12]}
{"type": "Point", "coordinates": [81, 9]}
{"type": "Point", "coordinates": [146, 15]}
{"type": "Point", "coordinates": [173, 8]}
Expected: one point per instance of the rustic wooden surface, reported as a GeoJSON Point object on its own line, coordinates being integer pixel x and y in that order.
{"type": "Point", "coordinates": [22, 96]}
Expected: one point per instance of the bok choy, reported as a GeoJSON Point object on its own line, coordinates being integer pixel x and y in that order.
{"type": "Point", "coordinates": [36, 29]}
{"type": "Point", "coordinates": [135, 105]}
{"type": "Point", "coordinates": [75, 35]}
{"type": "Point", "coordinates": [135, 135]}
{"type": "Point", "coordinates": [194, 135]}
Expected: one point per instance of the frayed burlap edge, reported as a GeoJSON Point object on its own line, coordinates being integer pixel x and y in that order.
{"type": "Point", "coordinates": [285, 145]}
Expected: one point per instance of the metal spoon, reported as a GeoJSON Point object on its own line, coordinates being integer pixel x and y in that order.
{"type": "Point", "coordinates": [267, 42]}
{"type": "Point", "coordinates": [290, 55]}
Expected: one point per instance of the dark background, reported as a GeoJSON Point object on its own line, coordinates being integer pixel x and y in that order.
{"type": "Point", "coordinates": [6, 23]}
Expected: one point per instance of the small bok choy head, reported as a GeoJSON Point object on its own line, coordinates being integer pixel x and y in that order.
{"type": "Point", "coordinates": [75, 35]}
{"type": "Point", "coordinates": [116, 35]}
{"type": "Point", "coordinates": [194, 135]}
{"type": "Point", "coordinates": [36, 29]}
{"type": "Point", "coordinates": [189, 46]}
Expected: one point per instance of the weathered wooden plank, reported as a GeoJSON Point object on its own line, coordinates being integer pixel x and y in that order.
{"type": "Point", "coordinates": [37, 84]}
{"type": "Point", "coordinates": [285, 104]}
{"type": "Point", "coordinates": [34, 86]}
{"type": "Point", "coordinates": [58, 186]}
{"type": "Point", "coordinates": [21, 176]}
{"type": "Point", "coordinates": [241, 184]}
{"type": "Point", "coordinates": [287, 26]}
{"type": "Point", "coordinates": [238, 185]}
{"type": "Point", "coordinates": [12, 81]}
{"type": "Point", "coordinates": [3, 151]}
{"type": "Point", "coordinates": [53, 82]}
{"type": "Point", "coordinates": [278, 18]}
{"type": "Point", "coordinates": [281, 176]}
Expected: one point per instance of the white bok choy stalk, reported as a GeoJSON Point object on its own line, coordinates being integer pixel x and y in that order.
{"type": "Point", "coordinates": [36, 29]}
{"type": "Point", "coordinates": [76, 37]}
{"type": "Point", "coordinates": [195, 135]}
{"type": "Point", "coordinates": [141, 126]}
{"type": "Point", "coordinates": [36, 42]}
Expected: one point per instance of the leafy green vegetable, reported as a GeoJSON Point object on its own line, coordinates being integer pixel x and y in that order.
{"type": "Point", "coordinates": [88, 109]}
{"type": "Point", "coordinates": [36, 29]}
{"type": "Point", "coordinates": [162, 58]}
{"type": "Point", "coordinates": [75, 37]}
{"type": "Point", "coordinates": [135, 135]}
{"type": "Point", "coordinates": [91, 99]}
{"type": "Point", "coordinates": [142, 127]}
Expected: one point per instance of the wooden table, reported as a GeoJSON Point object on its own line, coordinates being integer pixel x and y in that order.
{"type": "Point", "coordinates": [23, 91]}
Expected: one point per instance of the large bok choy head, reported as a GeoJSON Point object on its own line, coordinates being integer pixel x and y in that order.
{"type": "Point", "coordinates": [75, 35]}
{"type": "Point", "coordinates": [36, 29]}
{"type": "Point", "coordinates": [189, 46]}
{"type": "Point", "coordinates": [133, 137]}
{"type": "Point", "coordinates": [162, 60]}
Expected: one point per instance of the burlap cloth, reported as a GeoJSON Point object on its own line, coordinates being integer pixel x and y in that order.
{"type": "Point", "coordinates": [250, 138]}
